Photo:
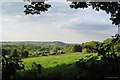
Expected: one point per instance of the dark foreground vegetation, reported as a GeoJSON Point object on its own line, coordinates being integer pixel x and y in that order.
{"type": "Point", "coordinates": [97, 60]}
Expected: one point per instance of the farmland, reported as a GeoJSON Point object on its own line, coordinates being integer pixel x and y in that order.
{"type": "Point", "coordinates": [57, 60]}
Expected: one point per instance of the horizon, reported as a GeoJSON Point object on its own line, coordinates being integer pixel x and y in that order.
{"type": "Point", "coordinates": [59, 23]}
{"type": "Point", "coordinates": [45, 41]}
{"type": "Point", "coordinates": [40, 41]}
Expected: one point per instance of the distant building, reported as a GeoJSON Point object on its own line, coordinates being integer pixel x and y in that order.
{"type": "Point", "coordinates": [45, 53]}
{"type": "Point", "coordinates": [55, 52]}
{"type": "Point", "coordinates": [60, 51]}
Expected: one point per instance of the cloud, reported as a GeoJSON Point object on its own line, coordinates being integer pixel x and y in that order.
{"type": "Point", "coordinates": [59, 23]}
{"type": "Point", "coordinates": [91, 25]}
{"type": "Point", "coordinates": [16, 18]}
{"type": "Point", "coordinates": [87, 30]}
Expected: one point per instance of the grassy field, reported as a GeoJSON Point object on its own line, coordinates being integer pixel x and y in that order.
{"type": "Point", "coordinates": [53, 61]}
{"type": "Point", "coordinates": [64, 67]}
{"type": "Point", "coordinates": [56, 66]}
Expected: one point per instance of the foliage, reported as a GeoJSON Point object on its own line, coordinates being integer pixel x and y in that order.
{"type": "Point", "coordinates": [118, 47]}
{"type": "Point", "coordinates": [36, 8]}
{"type": "Point", "coordinates": [25, 54]}
{"type": "Point", "coordinates": [78, 48]}
{"type": "Point", "coordinates": [91, 46]}
{"type": "Point", "coordinates": [32, 49]}
{"type": "Point", "coordinates": [55, 48]}
{"type": "Point", "coordinates": [36, 67]}
{"type": "Point", "coordinates": [72, 48]}
{"type": "Point", "coordinates": [69, 49]}
{"type": "Point", "coordinates": [109, 54]}
{"type": "Point", "coordinates": [109, 46]}
{"type": "Point", "coordinates": [14, 53]}
{"type": "Point", "coordinates": [34, 71]}
{"type": "Point", "coordinates": [10, 65]}
{"type": "Point", "coordinates": [91, 68]}
{"type": "Point", "coordinates": [84, 51]}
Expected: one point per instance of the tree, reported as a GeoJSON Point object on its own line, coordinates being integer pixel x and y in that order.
{"type": "Point", "coordinates": [4, 52]}
{"type": "Point", "coordinates": [69, 49]}
{"type": "Point", "coordinates": [25, 54]}
{"type": "Point", "coordinates": [78, 48]}
{"type": "Point", "coordinates": [118, 47]}
{"type": "Point", "coordinates": [55, 48]}
{"type": "Point", "coordinates": [36, 8]}
{"type": "Point", "coordinates": [91, 46]}
{"type": "Point", "coordinates": [14, 53]}
{"type": "Point", "coordinates": [10, 64]}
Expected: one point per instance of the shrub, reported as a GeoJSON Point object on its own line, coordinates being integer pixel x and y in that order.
{"type": "Point", "coordinates": [84, 51]}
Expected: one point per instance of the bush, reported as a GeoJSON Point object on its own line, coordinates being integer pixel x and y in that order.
{"type": "Point", "coordinates": [84, 51]}
{"type": "Point", "coordinates": [34, 72]}
{"type": "Point", "coordinates": [118, 47]}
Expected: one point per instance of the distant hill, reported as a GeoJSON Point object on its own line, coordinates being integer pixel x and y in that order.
{"type": "Point", "coordinates": [37, 43]}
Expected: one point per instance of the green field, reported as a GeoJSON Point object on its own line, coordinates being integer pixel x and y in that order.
{"type": "Point", "coordinates": [53, 61]}
{"type": "Point", "coordinates": [58, 65]}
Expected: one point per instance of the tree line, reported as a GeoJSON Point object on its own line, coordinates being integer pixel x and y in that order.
{"type": "Point", "coordinates": [32, 50]}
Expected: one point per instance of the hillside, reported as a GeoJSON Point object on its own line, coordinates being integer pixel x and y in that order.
{"type": "Point", "coordinates": [37, 43]}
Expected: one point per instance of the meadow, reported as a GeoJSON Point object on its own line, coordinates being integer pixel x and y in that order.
{"type": "Point", "coordinates": [56, 66]}
{"type": "Point", "coordinates": [54, 60]}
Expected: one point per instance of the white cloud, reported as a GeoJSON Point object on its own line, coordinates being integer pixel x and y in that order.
{"type": "Point", "coordinates": [59, 23]}
{"type": "Point", "coordinates": [16, 18]}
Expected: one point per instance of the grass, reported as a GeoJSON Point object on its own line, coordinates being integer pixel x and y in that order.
{"type": "Point", "coordinates": [53, 61]}
{"type": "Point", "coordinates": [56, 66]}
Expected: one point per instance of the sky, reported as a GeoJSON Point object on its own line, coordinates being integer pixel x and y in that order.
{"type": "Point", "coordinates": [59, 23]}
